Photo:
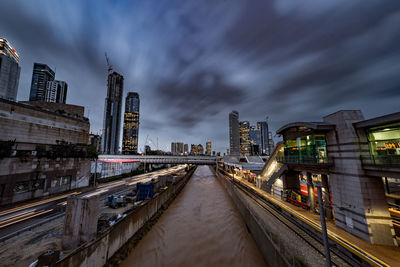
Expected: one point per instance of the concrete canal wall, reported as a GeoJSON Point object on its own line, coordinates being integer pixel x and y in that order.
{"type": "Point", "coordinates": [99, 251]}
{"type": "Point", "coordinates": [255, 225]}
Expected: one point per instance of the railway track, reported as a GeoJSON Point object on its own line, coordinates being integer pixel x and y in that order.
{"type": "Point", "coordinates": [342, 252]}
{"type": "Point", "coordinates": [316, 243]}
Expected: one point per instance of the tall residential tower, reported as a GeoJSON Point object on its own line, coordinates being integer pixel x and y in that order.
{"type": "Point", "coordinates": [56, 92]}
{"type": "Point", "coordinates": [244, 134]}
{"type": "Point", "coordinates": [131, 124]}
{"type": "Point", "coordinates": [234, 140]}
{"type": "Point", "coordinates": [40, 76]}
{"type": "Point", "coordinates": [112, 114]}
{"type": "Point", "coordinates": [9, 71]}
{"type": "Point", "coordinates": [262, 126]}
{"type": "Point", "coordinates": [208, 148]}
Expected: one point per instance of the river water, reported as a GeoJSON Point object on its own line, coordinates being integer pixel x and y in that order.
{"type": "Point", "coordinates": [200, 228]}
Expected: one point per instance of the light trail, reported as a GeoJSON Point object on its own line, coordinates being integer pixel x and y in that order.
{"type": "Point", "coordinates": [5, 212]}
{"type": "Point", "coordinates": [25, 218]}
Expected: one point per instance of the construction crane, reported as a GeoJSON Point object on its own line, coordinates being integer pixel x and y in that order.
{"type": "Point", "coordinates": [108, 63]}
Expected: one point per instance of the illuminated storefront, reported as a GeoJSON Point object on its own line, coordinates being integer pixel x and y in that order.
{"type": "Point", "coordinates": [384, 140]}
{"type": "Point", "coordinates": [306, 147]}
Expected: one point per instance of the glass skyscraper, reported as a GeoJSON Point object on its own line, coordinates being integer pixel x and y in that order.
{"type": "Point", "coordinates": [40, 76]}
{"type": "Point", "coordinates": [112, 114]}
{"type": "Point", "coordinates": [9, 71]}
{"type": "Point", "coordinates": [262, 126]}
{"type": "Point", "coordinates": [131, 124]}
{"type": "Point", "coordinates": [255, 141]}
{"type": "Point", "coordinates": [234, 139]}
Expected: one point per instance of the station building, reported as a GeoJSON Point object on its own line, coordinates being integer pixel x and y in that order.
{"type": "Point", "coordinates": [357, 163]}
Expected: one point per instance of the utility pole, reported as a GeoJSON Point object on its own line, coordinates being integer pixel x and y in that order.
{"type": "Point", "coordinates": [323, 225]}
{"type": "Point", "coordinates": [95, 173]}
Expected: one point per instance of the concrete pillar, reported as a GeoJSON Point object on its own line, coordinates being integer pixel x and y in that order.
{"type": "Point", "coordinates": [80, 223]}
{"type": "Point", "coordinates": [310, 190]}
{"type": "Point", "coordinates": [290, 181]}
{"type": "Point", "coordinates": [359, 200]}
{"type": "Point", "coordinates": [326, 197]}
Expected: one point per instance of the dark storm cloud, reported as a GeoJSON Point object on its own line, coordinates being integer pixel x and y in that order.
{"type": "Point", "coordinates": [192, 62]}
{"type": "Point", "coordinates": [204, 95]}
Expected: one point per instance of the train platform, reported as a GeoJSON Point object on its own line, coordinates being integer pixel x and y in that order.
{"type": "Point", "coordinates": [376, 255]}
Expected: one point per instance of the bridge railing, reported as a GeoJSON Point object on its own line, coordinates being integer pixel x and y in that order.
{"type": "Point", "coordinates": [381, 160]}
{"type": "Point", "coordinates": [306, 160]}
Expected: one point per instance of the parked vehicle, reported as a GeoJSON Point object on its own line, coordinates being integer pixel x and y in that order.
{"type": "Point", "coordinates": [115, 201]}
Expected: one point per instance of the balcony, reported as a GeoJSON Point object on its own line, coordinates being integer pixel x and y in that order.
{"type": "Point", "coordinates": [305, 160]}
{"type": "Point", "coordinates": [381, 160]}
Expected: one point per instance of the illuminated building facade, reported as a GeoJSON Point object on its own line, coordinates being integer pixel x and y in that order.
{"type": "Point", "coordinates": [244, 133]}
{"type": "Point", "coordinates": [131, 124]}
{"type": "Point", "coordinates": [56, 92]}
{"type": "Point", "coordinates": [40, 76]}
{"type": "Point", "coordinates": [9, 71]}
{"type": "Point", "coordinates": [112, 114]}
{"type": "Point", "coordinates": [208, 148]}
{"type": "Point", "coordinates": [196, 150]}
{"type": "Point", "coordinates": [234, 139]}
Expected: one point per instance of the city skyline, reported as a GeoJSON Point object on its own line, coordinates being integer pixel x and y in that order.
{"type": "Point", "coordinates": [311, 73]}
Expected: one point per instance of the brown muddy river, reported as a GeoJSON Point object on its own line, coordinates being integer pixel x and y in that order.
{"type": "Point", "coordinates": [200, 228]}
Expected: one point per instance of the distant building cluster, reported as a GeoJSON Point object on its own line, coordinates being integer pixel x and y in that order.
{"type": "Point", "coordinates": [181, 149]}
{"type": "Point", "coordinates": [44, 87]}
{"type": "Point", "coordinates": [248, 140]}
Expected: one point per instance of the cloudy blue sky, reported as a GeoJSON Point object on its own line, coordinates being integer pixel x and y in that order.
{"type": "Point", "coordinates": [192, 62]}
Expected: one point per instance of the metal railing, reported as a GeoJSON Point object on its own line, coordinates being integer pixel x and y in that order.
{"type": "Point", "coordinates": [306, 160]}
{"type": "Point", "coordinates": [381, 160]}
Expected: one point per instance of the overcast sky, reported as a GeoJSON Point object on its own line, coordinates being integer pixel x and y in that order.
{"type": "Point", "coordinates": [192, 62]}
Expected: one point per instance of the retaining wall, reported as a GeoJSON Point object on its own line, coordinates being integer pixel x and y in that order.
{"type": "Point", "coordinates": [270, 252]}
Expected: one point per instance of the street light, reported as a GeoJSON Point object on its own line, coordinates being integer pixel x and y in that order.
{"type": "Point", "coordinates": [323, 226]}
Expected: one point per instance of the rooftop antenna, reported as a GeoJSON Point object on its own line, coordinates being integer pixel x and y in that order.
{"type": "Point", "coordinates": [108, 63]}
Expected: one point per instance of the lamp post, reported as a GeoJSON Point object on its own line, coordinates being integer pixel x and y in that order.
{"type": "Point", "coordinates": [95, 173]}
{"type": "Point", "coordinates": [323, 226]}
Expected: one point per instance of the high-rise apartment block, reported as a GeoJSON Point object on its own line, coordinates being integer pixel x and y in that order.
{"type": "Point", "coordinates": [244, 134]}
{"type": "Point", "coordinates": [234, 141]}
{"type": "Point", "coordinates": [177, 148]}
{"type": "Point", "coordinates": [185, 149]}
{"type": "Point", "coordinates": [42, 74]}
{"type": "Point", "coordinates": [271, 144]}
{"type": "Point", "coordinates": [208, 148]}
{"type": "Point", "coordinates": [112, 114]}
{"type": "Point", "coordinates": [255, 141]}
{"type": "Point", "coordinates": [131, 124]}
{"type": "Point", "coordinates": [56, 92]}
{"type": "Point", "coordinates": [9, 71]}
{"type": "Point", "coordinates": [262, 126]}
{"type": "Point", "coordinates": [196, 150]}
